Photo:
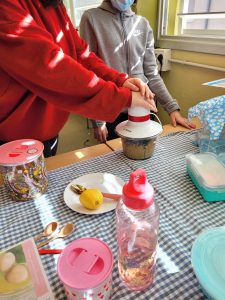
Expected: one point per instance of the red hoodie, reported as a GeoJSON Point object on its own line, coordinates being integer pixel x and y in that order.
{"type": "Point", "coordinates": [47, 71]}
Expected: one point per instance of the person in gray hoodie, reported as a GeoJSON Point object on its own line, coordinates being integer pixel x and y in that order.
{"type": "Point", "coordinates": [125, 42]}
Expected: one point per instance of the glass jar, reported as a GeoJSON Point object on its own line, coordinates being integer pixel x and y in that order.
{"type": "Point", "coordinates": [22, 167]}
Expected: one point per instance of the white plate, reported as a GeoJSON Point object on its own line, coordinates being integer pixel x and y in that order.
{"type": "Point", "coordinates": [105, 182]}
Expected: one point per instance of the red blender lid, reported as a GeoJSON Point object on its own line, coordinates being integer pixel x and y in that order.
{"type": "Point", "coordinates": [139, 125]}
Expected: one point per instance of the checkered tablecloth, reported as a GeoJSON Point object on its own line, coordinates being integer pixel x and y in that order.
{"type": "Point", "coordinates": [184, 214]}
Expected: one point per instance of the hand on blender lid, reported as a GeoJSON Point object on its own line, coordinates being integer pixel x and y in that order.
{"type": "Point", "coordinates": [138, 100]}
{"type": "Point", "coordinates": [137, 85]}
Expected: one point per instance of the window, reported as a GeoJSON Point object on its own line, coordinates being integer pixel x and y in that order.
{"type": "Point", "coordinates": [195, 25]}
{"type": "Point", "coordinates": [76, 8]}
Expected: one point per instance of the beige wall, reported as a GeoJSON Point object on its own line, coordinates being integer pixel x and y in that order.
{"type": "Point", "coordinates": [185, 82]}
{"type": "Point", "coordinates": [148, 9]}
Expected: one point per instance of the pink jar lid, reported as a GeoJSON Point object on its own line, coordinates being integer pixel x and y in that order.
{"type": "Point", "coordinates": [85, 263]}
{"type": "Point", "coordinates": [138, 193]}
{"type": "Point", "coordinates": [20, 152]}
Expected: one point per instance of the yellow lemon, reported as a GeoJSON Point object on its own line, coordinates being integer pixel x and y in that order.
{"type": "Point", "coordinates": [91, 198]}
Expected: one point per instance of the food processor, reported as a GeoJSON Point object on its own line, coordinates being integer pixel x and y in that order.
{"type": "Point", "coordinates": [139, 133]}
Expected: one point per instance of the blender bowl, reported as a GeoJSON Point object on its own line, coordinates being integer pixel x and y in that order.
{"type": "Point", "coordinates": [139, 134]}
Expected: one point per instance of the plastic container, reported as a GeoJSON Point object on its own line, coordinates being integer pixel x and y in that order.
{"type": "Point", "coordinates": [85, 269]}
{"type": "Point", "coordinates": [137, 223]}
{"type": "Point", "coordinates": [208, 145]}
{"type": "Point", "coordinates": [22, 167]}
{"type": "Point", "coordinates": [208, 260]}
{"type": "Point", "coordinates": [208, 174]}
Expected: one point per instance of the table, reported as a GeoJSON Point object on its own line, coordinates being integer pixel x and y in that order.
{"type": "Point", "coordinates": [184, 214]}
{"type": "Point", "coordinates": [68, 158]}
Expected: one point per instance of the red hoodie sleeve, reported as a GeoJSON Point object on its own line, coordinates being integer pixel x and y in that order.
{"type": "Point", "coordinates": [92, 62]}
{"type": "Point", "coordinates": [38, 60]}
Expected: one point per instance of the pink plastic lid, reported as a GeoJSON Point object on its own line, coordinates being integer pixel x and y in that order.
{"type": "Point", "coordinates": [20, 152]}
{"type": "Point", "coordinates": [85, 263]}
{"type": "Point", "coordinates": [138, 193]}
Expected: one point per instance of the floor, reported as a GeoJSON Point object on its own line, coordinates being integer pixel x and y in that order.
{"type": "Point", "coordinates": [76, 134]}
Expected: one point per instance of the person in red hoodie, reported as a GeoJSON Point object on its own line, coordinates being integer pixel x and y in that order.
{"type": "Point", "coordinates": [47, 71]}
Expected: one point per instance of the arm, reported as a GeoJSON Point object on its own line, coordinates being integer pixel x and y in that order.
{"type": "Point", "coordinates": [38, 63]}
{"type": "Point", "coordinates": [156, 83]}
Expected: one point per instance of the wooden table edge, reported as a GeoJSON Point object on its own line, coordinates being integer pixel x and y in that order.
{"type": "Point", "coordinates": [64, 159]}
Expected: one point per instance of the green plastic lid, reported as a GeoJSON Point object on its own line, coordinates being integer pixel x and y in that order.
{"type": "Point", "coordinates": [208, 261]}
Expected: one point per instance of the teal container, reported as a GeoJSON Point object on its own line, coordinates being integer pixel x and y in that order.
{"type": "Point", "coordinates": [208, 174]}
{"type": "Point", "coordinates": [208, 261]}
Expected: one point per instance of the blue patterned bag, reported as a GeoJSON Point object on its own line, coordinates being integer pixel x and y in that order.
{"type": "Point", "coordinates": [211, 114]}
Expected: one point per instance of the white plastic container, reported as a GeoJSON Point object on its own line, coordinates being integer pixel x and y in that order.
{"type": "Point", "coordinates": [208, 174]}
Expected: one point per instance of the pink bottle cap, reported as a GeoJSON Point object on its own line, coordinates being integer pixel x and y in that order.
{"type": "Point", "coordinates": [85, 263]}
{"type": "Point", "coordinates": [138, 193]}
{"type": "Point", "coordinates": [20, 152]}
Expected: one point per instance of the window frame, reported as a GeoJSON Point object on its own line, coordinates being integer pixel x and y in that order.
{"type": "Point", "coordinates": [70, 5]}
{"type": "Point", "coordinates": [196, 43]}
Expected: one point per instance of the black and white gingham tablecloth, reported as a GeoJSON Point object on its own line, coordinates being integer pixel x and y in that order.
{"type": "Point", "coordinates": [184, 214]}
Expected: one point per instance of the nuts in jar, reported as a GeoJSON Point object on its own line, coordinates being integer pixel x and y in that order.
{"type": "Point", "coordinates": [23, 170]}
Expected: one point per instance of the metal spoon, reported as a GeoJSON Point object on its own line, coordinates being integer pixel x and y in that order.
{"type": "Point", "coordinates": [79, 189]}
{"type": "Point", "coordinates": [49, 229]}
{"type": "Point", "coordinates": [64, 231]}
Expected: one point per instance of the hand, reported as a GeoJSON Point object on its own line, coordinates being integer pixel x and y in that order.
{"type": "Point", "coordinates": [137, 85]}
{"type": "Point", "coordinates": [176, 118]}
{"type": "Point", "coordinates": [138, 100]}
{"type": "Point", "coordinates": [101, 133]}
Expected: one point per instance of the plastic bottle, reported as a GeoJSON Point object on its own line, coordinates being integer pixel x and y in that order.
{"type": "Point", "coordinates": [137, 222]}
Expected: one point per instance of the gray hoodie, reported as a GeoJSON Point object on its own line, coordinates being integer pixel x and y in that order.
{"type": "Point", "coordinates": [125, 42]}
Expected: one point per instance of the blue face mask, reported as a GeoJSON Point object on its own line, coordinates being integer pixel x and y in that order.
{"type": "Point", "coordinates": [122, 5]}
